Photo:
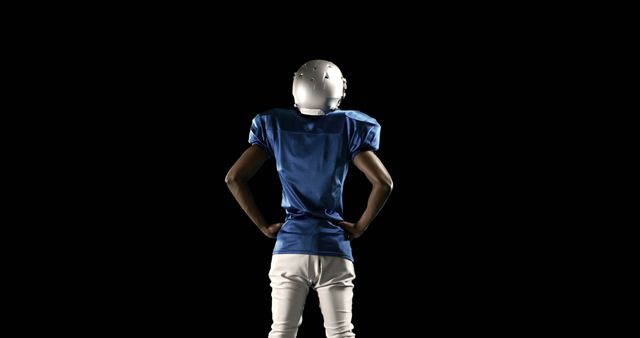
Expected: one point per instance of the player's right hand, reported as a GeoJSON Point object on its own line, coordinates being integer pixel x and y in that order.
{"type": "Point", "coordinates": [272, 230]}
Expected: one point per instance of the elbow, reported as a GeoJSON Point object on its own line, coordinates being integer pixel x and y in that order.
{"type": "Point", "coordinates": [231, 179]}
{"type": "Point", "coordinates": [386, 185]}
{"type": "Point", "coordinates": [234, 178]}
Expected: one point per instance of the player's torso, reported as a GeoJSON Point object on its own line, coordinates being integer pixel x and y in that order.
{"type": "Point", "coordinates": [311, 155]}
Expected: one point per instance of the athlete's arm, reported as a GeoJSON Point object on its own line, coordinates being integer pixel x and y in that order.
{"type": "Point", "coordinates": [237, 180]}
{"type": "Point", "coordinates": [381, 188]}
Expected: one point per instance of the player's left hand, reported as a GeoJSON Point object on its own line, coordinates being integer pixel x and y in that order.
{"type": "Point", "coordinates": [352, 230]}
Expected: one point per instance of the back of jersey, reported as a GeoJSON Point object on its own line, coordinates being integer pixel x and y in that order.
{"type": "Point", "coordinates": [312, 156]}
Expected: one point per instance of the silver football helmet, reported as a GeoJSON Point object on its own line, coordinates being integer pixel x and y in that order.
{"type": "Point", "coordinates": [318, 86]}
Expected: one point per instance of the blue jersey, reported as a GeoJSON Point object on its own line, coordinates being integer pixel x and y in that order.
{"type": "Point", "coordinates": [312, 155]}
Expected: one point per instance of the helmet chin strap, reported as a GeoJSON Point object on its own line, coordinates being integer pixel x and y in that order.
{"type": "Point", "coordinates": [309, 111]}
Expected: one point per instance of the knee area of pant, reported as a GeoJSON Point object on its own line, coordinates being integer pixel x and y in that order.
{"type": "Point", "coordinates": [342, 335]}
{"type": "Point", "coordinates": [340, 332]}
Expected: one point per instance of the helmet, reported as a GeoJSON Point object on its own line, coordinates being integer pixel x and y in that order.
{"type": "Point", "coordinates": [319, 84]}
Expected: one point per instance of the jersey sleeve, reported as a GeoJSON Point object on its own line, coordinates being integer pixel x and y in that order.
{"type": "Point", "coordinates": [258, 134]}
{"type": "Point", "coordinates": [366, 136]}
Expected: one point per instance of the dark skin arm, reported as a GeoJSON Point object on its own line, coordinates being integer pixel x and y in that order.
{"type": "Point", "coordinates": [381, 188]}
{"type": "Point", "coordinates": [237, 180]}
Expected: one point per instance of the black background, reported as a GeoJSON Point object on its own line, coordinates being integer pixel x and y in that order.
{"type": "Point", "coordinates": [174, 252]}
